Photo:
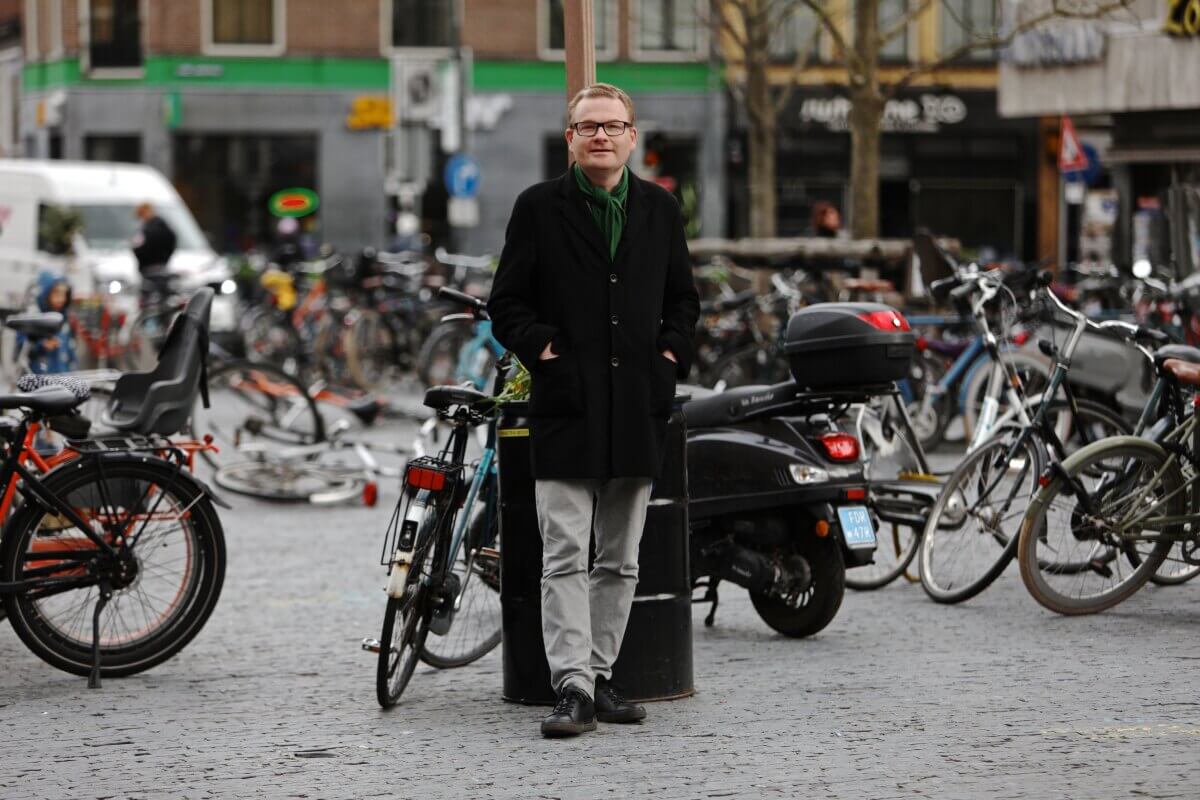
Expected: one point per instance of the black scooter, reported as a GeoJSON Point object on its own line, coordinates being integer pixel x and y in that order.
{"type": "Point", "coordinates": [777, 501]}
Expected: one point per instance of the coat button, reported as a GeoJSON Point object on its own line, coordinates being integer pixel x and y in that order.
{"type": "Point", "coordinates": [614, 319]}
{"type": "Point", "coordinates": [616, 362]}
{"type": "Point", "coordinates": [612, 278]}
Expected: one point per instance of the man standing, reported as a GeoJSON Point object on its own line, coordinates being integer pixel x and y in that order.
{"type": "Point", "coordinates": [153, 246]}
{"type": "Point", "coordinates": [595, 295]}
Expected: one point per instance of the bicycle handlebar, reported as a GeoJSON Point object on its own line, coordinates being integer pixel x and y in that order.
{"type": "Point", "coordinates": [477, 306]}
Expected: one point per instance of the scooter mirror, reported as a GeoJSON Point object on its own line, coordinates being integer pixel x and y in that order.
{"type": "Point", "coordinates": [1142, 269]}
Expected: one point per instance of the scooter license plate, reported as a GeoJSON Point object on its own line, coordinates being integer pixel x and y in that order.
{"type": "Point", "coordinates": [857, 529]}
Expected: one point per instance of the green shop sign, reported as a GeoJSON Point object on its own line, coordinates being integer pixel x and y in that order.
{"type": "Point", "coordinates": [293, 203]}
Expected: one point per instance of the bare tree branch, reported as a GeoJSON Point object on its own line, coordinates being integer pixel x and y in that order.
{"type": "Point", "coordinates": [900, 26]}
{"type": "Point", "coordinates": [1099, 9]}
{"type": "Point", "coordinates": [803, 55]}
{"type": "Point", "coordinates": [719, 23]}
{"type": "Point", "coordinates": [849, 56]}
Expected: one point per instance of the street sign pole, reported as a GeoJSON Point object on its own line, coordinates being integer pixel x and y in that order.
{"type": "Point", "coordinates": [579, 21]}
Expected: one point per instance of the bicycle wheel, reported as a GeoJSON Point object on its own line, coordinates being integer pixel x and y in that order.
{"type": "Point", "coordinates": [370, 349]}
{"type": "Point", "coordinates": [1034, 371]}
{"type": "Point", "coordinates": [287, 482]}
{"type": "Point", "coordinates": [887, 456]}
{"type": "Point", "coordinates": [165, 584]}
{"type": "Point", "coordinates": [475, 629]}
{"type": "Point", "coordinates": [437, 362]}
{"type": "Point", "coordinates": [252, 402]}
{"type": "Point", "coordinates": [753, 365]}
{"type": "Point", "coordinates": [971, 533]}
{"type": "Point", "coordinates": [1093, 423]}
{"type": "Point", "coordinates": [1175, 569]}
{"type": "Point", "coordinates": [1080, 555]}
{"type": "Point", "coordinates": [406, 620]}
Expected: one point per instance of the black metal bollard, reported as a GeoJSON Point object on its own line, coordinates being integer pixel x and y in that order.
{"type": "Point", "coordinates": [656, 654]}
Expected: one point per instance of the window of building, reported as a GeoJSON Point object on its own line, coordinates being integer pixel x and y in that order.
{"type": "Point", "coordinates": [553, 34]}
{"type": "Point", "coordinates": [966, 21]}
{"type": "Point", "coordinates": [245, 27]}
{"type": "Point", "coordinates": [421, 23]}
{"type": "Point", "coordinates": [892, 12]}
{"type": "Point", "coordinates": [114, 34]}
{"type": "Point", "coordinates": [668, 28]}
{"type": "Point", "coordinates": [795, 35]}
{"type": "Point", "coordinates": [126, 149]}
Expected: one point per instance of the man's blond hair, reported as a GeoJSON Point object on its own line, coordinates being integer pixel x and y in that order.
{"type": "Point", "coordinates": [599, 90]}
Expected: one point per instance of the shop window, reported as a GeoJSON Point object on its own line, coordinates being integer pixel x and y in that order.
{"type": "Point", "coordinates": [114, 34]}
{"type": "Point", "coordinates": [248, 27]}
{"type": "Point", "coordinates": [967, 21]}
{"type": "Point", "coordinates": [421, 23]}
{"type": "Point", "coordinates": [668, 27]}
{"type": "Point", "coordinates": [553, 34]}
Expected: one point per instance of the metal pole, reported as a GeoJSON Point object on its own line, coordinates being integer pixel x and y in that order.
{"type": "Point", "coordinates": [457, 237]}
{"type": "Point", "coordinates": [579, 23]}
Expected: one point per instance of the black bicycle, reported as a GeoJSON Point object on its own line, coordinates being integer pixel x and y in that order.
{"type": "Point", "coordinates": [441, 545]}
{"type": "Point", "coordinates": [115, 558]}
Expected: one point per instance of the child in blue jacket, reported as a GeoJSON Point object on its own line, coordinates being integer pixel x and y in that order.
{"type": "Point", "coordinates": [53, 354]}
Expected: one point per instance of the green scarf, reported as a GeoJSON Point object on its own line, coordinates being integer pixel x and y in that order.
{"type": "Point", "coordinates": [608, 208]}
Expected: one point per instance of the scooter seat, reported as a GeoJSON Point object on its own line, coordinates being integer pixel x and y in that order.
{"type": "Point", "coordinates": [734, 405]}
{"type": "Point", "coordinates": [1180, 352]}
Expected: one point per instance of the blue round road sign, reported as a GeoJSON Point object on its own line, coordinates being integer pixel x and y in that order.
{"type": "Point", "coordinates": [462, 176]}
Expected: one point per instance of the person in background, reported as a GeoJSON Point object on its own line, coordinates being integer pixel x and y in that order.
{"type": "Point", "coordinates": [48, 355]}
{"type": "Point", "coordinates": [826, 222]}
{"type": "Point", "coordinates": [153, 245]}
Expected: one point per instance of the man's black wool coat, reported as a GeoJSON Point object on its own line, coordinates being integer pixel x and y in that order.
{"type": "Point", "coordinates": [599, 410]}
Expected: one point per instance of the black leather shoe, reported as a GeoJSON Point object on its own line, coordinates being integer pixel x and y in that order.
{"type": "Point", "coordinates": [611, 707]}
{"type": "Point", "coordinates": [572, 715]}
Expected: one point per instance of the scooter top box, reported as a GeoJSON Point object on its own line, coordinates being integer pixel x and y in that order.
{"type": "Point", "coordinates": [848, 344]}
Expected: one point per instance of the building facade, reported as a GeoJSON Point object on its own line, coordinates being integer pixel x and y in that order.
{"type": "Point", "coordinates": [1130, 86]}
{"type": "Point", "coordinates": [948, 161]}
{"type": "Point", "coordinates": [237, 99]}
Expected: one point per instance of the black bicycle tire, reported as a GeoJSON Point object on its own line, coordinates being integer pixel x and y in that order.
{"type": "Point", "coordinates": [452, 331]}
{"type": "Point", "coordinates": [384, 692]}
{"type": "Point", "coordinates": [162, 645]}
{"type": "Point", "coordinates": [489, 644]}
{"type": "Point", "coordinates": [1035, 518]}
{"type": "Point", "coordinates": [215, 373]}
{"type": "Point", "coordinates": [1007, 553]}
{"type": "Point", "coordinates": [721, 364]}
{"type": "Point", "coordinates": [355, 360]}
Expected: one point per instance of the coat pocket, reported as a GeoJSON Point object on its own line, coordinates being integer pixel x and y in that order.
{"type": "Point", "coordinates": [662, 388]}
{"type": "Point", "coordinates": [556, 389]}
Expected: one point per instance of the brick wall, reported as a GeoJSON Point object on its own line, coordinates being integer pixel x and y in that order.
{"type": "Point", "coordinates": [341, 28]}
{"type": "Point", "coordinates": [173, 27]}
{"type": "Point", "coordinates": [502, 28]}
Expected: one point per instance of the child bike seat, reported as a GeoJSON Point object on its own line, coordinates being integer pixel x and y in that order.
{"type": "Point", "coordinates": [37, 323]}
{"type": "Point", "coordinates": [159, 402]}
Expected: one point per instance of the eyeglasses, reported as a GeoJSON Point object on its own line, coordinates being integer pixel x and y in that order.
{"type": "Point", "coordinates": [614, 127]}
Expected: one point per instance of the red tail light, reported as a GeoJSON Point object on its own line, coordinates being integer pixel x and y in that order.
{"type": "Point", "coordinates": [840, 446]}
{"type": "Point", "coordinates": [421, 478]}
{"type": "Point", "coordinates": [1020, 338]}
{"type": "Point", "coordinates": [889, 320]}
{"type": "Point", "coordinates": [855, 494]}
{"type": "Point", "coordinates": [922, 343]}
{"type": "Point", "coordinates": [370, 495]}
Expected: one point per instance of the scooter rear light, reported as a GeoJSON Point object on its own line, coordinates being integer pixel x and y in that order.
{"type": "Point", "coordinates": [855, 494]}
{"type": "Point", "coordinates": [890, 321]}
{"type": "Point", "coordinates": [840, 446]}
{"type": "Point", "coordinates": [421, 478]}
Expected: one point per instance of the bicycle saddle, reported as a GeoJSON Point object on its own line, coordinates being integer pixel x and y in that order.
{"type": "Point", "coordinates": [38, 323]}
{"type": "Point", "coordinates": [50, 400]}
{"type": "Point", "coordinates": [441, 398]}
{"type": "Point", "coordinates": [1183, 371]}
{"type": "Point", "coordinates": [1181, 352]}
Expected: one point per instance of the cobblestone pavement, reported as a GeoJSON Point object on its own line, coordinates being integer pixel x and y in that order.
{"type": "Point", "coordinates": [898, 698]}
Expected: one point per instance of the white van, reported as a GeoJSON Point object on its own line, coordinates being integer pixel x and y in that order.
{"type": "Point", "coordinates": [105, 196]}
